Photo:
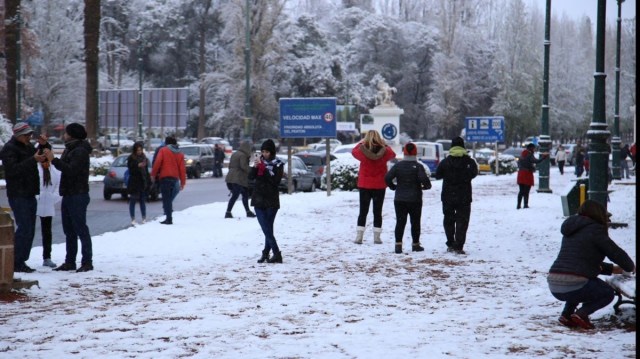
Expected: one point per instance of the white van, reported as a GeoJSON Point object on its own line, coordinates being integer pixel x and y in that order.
{"type": "Point", "coordinates": [430, 153]}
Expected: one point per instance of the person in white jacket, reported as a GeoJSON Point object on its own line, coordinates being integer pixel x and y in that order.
{"type": "Point", "coordinates": [49, 196]}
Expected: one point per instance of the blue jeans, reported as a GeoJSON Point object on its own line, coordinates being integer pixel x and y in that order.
{"type": "Point", "coordinates": [142, 197]}
{"type": "Point", "coordinates": [169, 187]}
{"type": "Point", "coordinates": [74, 225]}
{"type": "Point", "coordinates": [594, 295]}
{"type": "Point", "coordinates": [24, 213]}
{"type": "Point", "coordinates": [266, 217]}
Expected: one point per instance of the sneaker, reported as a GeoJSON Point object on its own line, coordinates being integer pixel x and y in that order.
{"type": "Point", "coordinates": [582, 322]}
{"type": "Point", "coordinates": [567, 322]}
{"type": "Point", "coordinates": [48, 263]}
{"type": "Point", "coordinates": [229, 215]}
{"type": "Point", "coordinates": [460, 251]}
{"type": "Point", "coordinates": [23, 269]}
{"type": "Point", "coordinates": [416, 247]}
{"type": "Point", "coordinates": [144, 220]}
{"type": "Point", "coordinates": [85, 268]}
{"type": "Point", "coordinates": [66, 267]}
{"type": "Point", "coordinates": [450, 249]}
{"type": "Point", "coordinates": [133, 222]}
{"type": "Point", "coordinates": [250, 214]}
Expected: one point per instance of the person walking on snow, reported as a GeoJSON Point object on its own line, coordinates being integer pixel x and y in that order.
{"type": "Point", "coordinates": [526, 167]}
{"type": "Point", "coordinates": [408, 178]}
{"type": "Point", "coordinates": [373, 154]}
{"type": "Point", "coordinates": [169, 168]}
{"type": "Point", "coordinates": [238, 178]}
{"type": "Point", "coordinates": [456, 171]}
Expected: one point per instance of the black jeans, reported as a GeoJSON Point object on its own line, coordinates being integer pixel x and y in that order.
{"type": "Point", "coordinates": [561, 167]}
{"type": "Point", "coordinates": [456, 222]}
{"type": "Point", "coordinates": [366, 196]}
{"type": "Point", "coordinates": [414, 211]}
{"type": "Point", "coordinates": [24, 214]}
{"type": "Point", "coordinates": [594, 295]}
{"type": "Point", "coordinates": [47, 236]}
{"type": "Point", "coordinates": [236, 191]}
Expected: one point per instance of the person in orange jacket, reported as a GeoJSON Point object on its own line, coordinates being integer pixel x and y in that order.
{"type": "Point", "coordinates": [169, 168]}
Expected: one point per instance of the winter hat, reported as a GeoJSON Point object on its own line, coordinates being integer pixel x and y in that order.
{"type": "Point", "coordinates": [410, 149]}
{"type": "Point", "coordinates": [21, 128]}
{"type": "Point", "coordinates": [457, 141]}
{"type": "Point", "coordinates": [531, 146]}
{"type": "Point", "coordinates": [76, 131]}
{"type": "Point", "coordinates": [268, 145]}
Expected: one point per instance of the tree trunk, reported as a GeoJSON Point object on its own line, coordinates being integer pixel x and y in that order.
{"type": "Point", "coordinates": [91, 42]}
{"type": "Point", "coordinates": [11, 53]}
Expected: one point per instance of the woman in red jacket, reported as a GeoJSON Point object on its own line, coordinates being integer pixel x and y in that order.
{"type": "Point", "coordinates": [373, 154]}
{"type": "Point", "coordinates": [526, 167]}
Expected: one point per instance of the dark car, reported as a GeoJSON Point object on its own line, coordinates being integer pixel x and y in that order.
{"type": "Point", "coordinates": [316, 161]}
{"type": "Point", "coordinates": [513, 151]}
{"type": "Point", "coordinates": [114, 180]}
{"type": "Point", "coordinates": [303, 179]}
{"type": "Point", "coordinates": [198, 158]}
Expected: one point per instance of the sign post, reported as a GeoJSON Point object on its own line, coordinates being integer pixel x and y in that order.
{"type": "Point", "coordinates": [308, 117]}
{"type": "Point", "coordinates": [486, 129]}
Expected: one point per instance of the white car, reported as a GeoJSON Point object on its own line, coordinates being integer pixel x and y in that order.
{"type": "Point", "coordinates": [333, 143]}
{"type": "Point", "coordinates": [113, 140]}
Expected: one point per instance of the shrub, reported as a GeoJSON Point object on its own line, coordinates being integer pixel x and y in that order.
{"type": "Point", "coordinates": [344, 174]}
{"type": "Point", "coordinates": [507, 164]}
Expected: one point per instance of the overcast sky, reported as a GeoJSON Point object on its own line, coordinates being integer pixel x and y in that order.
{"type": "Point", "coordinates": [577, 8]}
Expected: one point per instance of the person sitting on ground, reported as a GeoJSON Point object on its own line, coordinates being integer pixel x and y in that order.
{"type": "Point", "coordinates": [573, 277]}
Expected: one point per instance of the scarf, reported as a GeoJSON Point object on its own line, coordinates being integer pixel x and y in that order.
{"type": "Point", "coordinates": [269, 166]}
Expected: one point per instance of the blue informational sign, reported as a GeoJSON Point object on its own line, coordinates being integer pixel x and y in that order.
{"type": "Point", "coordinates": [484, 129]}
{"type": "Point", "coordinates": [389, 131]}
{"type": "Point", "coordinates": [308, 117]}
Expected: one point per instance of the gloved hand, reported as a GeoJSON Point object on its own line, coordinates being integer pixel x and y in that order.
{"type": "Point", "coordinates": [261, 168]}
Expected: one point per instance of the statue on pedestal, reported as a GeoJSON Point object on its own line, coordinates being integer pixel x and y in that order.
{"type": "Point", "coordinates": [385, 93]}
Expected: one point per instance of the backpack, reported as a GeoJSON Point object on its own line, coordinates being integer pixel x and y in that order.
{"type": "Point", "coordinates": [126, 177]}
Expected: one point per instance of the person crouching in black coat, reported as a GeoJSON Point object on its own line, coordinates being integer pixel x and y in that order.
{"type": "Point", "coordinates": [410, 179]}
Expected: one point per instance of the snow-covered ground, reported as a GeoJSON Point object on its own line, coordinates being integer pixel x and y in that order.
{"type": "Point", "coordinates": [194, 289]}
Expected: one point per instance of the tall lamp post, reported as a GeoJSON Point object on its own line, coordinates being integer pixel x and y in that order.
{"type": "Point", "coordinates": [545, 140]}
{"type": "Point", "coordinates": [19, 66]}
{"type": "Point", "coordinates": [139, 53]}
{"type": "Point", "coordinates": [615, 140]}
{"type": "Point", "coordinates": [598, 132]}
{"type": "Point", "coordinates": [247, 71]}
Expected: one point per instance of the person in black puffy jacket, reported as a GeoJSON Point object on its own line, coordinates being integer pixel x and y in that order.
{"type": "Point", "coordinates": [573, 277]}
{"type": "Point", "coordinates": [456, 171]}
{"type": "Point", "coordinates": [410, 179]}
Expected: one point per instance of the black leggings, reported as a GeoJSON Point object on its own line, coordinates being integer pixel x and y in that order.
{"type": "Point", "coordinates": [47, 236]}
{"type": "Point", "coordinates": [414, 211]}
{"type": "Point", "coordinates": [366, 196]}
{"type": "Point", "coordinates": [524, 193]}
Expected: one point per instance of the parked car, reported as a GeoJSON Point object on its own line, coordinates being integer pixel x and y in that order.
{"type": "Point", "coordinates": [155, 143]}
{"type": "Point", "coordinates": [114, 180]}
{"type": "Point", "coordinates": [513, 151]}
{"type": "Point", "coordinates": [570, 149]}
{"type": "Point", "coordinates": [482, 157]}
{"type": "Point", "coordinates": [303, 179]}
{"type": "Point", "coordinates": [430, 153]}
{"type": "Point", "coordinates": [228, 149]}
{"type": "Point", "coordinates": [316, 161]}
{"type": "Point", "coordinates": [113, 141]}
{"type": "Point", "coordinates": [198, 159]}
{"type": "Point", "coordinates": [446, 145]}
{"type": "Point", "coordinates": [333, 143]}
{"type": "Point", "coordinates": [342, 150]}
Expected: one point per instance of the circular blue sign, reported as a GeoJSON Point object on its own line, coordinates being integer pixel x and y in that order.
{"type": "Point", "coordinates": [389, 131]}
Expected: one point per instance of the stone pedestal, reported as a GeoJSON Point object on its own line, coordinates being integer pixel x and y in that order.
{"type": "Point", "coordinates": [6, 251]}
{"type": "Point", "coordinates": [386, 120]}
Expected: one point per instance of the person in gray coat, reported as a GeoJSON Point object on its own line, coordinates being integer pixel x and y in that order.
{"type": "Point", "coordinates": [238, 179]}
{"type": "Point", "coordinates": [408, 178]}
{"type": "Point", "coordinates": [573, 276]}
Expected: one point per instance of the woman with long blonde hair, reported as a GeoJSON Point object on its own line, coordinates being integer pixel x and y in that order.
{"type": "Point", "coordinates": [373, 154]}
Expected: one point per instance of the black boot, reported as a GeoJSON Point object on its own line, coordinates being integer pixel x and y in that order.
{"type": "Point", "coordinates": [265, 256]}
{"type": "Point", "coordinates": [526, 201]}
{"type": "Point", "coordinates": [416, 247]}
{"type": "Point", "coordinates": [277, 258]}
{"type": "Point", "coordinates": [250, 214]}
{"type": "Point", "coordinates": [398, 248]}
{"type": "Point", "coordinates": [167, 221]}
{"type": "Point", "coordinates": [519, 201]}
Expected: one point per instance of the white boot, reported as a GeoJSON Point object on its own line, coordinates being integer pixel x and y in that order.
{"type": "Point", "coordinates": [359, 235]}
{"type": "Point", "coordinates": [376, 235]}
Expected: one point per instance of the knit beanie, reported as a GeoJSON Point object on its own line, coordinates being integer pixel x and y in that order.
{"type": "Point", "coordinates": [457, 141]}
{"type": "Point", "coordinates": [76, 131]}
{"type": "Point", "coordinates": [268, 145]}
{"type": "Point", "coordinates": [410, 149]}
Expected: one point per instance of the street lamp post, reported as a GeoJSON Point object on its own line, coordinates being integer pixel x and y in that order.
{"type": "Point", "coordinates": [545, 140]}
{"type": "Point", "coordinates": [598, 132]}
{"type": "Point", "coordinates": [615, 140]}
{"type": "Point", "coordinates": [19, 66]}
{"type": "Point", "coordinates": [247, 64]}
{"type": "Point", "coordinates": [139, 51]}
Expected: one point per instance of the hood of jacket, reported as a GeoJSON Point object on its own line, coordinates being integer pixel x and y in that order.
{"type": "Point", "coordinates": [575, 223]}
{"type": "Point", "coordinates": [372, 154]}
{"type": "Point", "coordinates": [245, 147]}
{"type": "Point", "coordinates": [457, 151]}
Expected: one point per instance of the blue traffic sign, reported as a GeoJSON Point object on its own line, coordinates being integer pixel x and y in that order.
{"type": "Point", "coordinates": [308, 117]}
{"type": "Point", "coordinates": [484, 129]}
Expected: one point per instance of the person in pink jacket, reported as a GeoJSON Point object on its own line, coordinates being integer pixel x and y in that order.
{"type": "Point", "coordinates": [373, 154]}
